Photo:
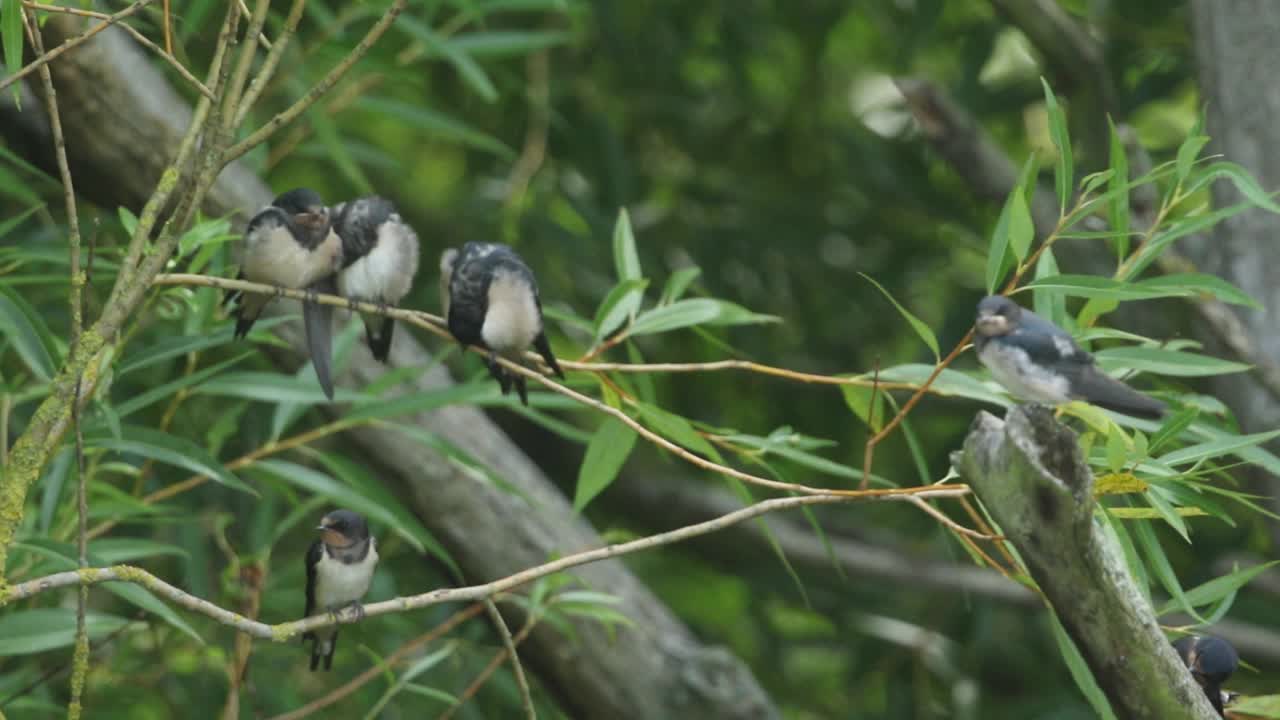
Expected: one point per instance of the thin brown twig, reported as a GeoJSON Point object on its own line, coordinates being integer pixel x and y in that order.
{"type": "Point", "coordinates": [434, 324]}
{"type": "Point", "coordinates": [283, 631]}
{"type": "Point", "coordinates": [71, 43]}
{"type": "Point", "coordinates": [272, 61]}
{"type": "Point", "coordinates": [168, 27]}
{"type": "Point", "coordinates": [80, 661]}
{"type": "Point", "coordinates": [143, 40]}
{"type": "Point", "coordinates": [291, 113]}
{"type": "Point", "coordinates": [509, 644]}
{"type": "Point", "coordinates": [68, 187]}
{"type": "Point", "coordinates": [494, 663]}
{"type": "Point", "coordinates": [360, 680]}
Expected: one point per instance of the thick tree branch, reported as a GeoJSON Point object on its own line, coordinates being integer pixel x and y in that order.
{"type": "Point", "coordinates": [1031, 475]}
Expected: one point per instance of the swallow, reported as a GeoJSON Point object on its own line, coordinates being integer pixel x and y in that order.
{"type": "Point", "coordinates": [291, 244]}
{"type": "Point", "coordinates": [340, 567]}
{"type": "Point", "coordinates": [1211, 661]}
{"type": "Point", "coordinates": [380, 259]}
{"type": "Point", "coordinates": [490, 300]}
{"type": "Point", "coordinates": [1040, 362]}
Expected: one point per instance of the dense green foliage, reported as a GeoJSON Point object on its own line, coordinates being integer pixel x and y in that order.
{"type": "Point", "coordinates": [760, 142]}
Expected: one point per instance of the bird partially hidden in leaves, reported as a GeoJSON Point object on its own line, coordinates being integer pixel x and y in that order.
{"type": "Point", "coordinates": [1211, 661]}
{"type": "Point", "coordinates": [340, 567]}
{"type": "Point", "coordinates": [290, 244]}
{"type": "Point", "coordinates": [1040, 362]}
{"type": "Point", "coordinates": [490, 300]}
{"type": "Point", "coordinates": [380, 260]}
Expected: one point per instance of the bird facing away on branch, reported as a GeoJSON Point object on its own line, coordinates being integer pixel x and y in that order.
{"type": "Point", "coordinates": [1211, 661]}
{"type": "Point", "coordinates": [491, 301]}
{"type": "Point", "coordinates": [380, 259]}
{"type": "Point", "coordinates": [290, 244]}
{"type": "Point", "coordinates": [1040, 362]}
{"type": "Point", "coordinates": [340, 567]}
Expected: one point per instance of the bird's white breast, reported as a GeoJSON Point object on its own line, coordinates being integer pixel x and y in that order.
{"type": "Point", "coordinates": [273, 257]}
{"type": "Point", "coordinates": [512, 321]}
{"type": "Point", "coordinates": [386, 272]}
{"type": "Point", "coordinates": [338, 584]}
{"type": "Point", "coordinates": [1013, 368]}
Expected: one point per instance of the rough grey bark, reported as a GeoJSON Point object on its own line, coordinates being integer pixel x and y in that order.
{"type": "Point", "coordinates": [1031, 475]}
{"type": "Point", "coordinates": [121, 118]}
{"type": "Point", "coordinates": [1237, 55]}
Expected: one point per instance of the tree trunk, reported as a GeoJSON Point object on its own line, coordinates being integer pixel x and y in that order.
{"type": "Point", "coordinates": [1238, 55]}
{"type": "Point", "coordinates": [122, 120]}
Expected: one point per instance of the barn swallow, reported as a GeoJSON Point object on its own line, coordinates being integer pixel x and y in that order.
{"type": "Point", "coordinates": [491, 301]}
{"type": "Point", "coordinates": [290, 244]}
{"type": "Point", "coordinates": [380, 259]}
{"type": "Point", "coordinates": [1211, 661]}
{"type": "Point", "coordinates": [339, 569]}
{"type": "Point", "coordinates": [1039, 362]}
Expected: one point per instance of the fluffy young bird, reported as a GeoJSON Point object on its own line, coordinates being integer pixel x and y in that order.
{"type": "Point", "coordinates": [1040, 362]}
{"type": "Point", "coordinates": [339, 569]}
{"type": "Point", "coordinates": [291, 244]}
{"type": "Point", "coordinates": [1211, 661]}
{"type": "Point", "coordinates": [491, 300]}
{"type": "Point", "coordinates": [380, 259]}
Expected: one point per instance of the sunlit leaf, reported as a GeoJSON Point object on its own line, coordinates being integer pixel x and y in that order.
{"type": "Point", "coordinates": [678, 283]}
{"type": "Point", "coordinates": [1188, 151]}
{"type": "Point", "coordinates": [680, 314]}
{"type": "Point", "coordinates": [626, 260]}
{"type": "Point", "coordinates": [1219, 587]}
{"type": "Point", "coordinates": [858, 398]}
{"type": "Point", "coordinates": [1215, 448]}
{"type": "Point", "coordinates": [618, 306]}
{"type": "Point", "coordinates": [1118, 484]}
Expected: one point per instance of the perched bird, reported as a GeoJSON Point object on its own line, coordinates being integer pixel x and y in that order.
{"type": "Point", "coordinates": [1039, 362]}
{"type": "Point", "coordinates": [491, 301]}
{"type": "Point", "coordinates": [1211, 661]}
{"type": "Point", "coordinates": [291, 244]}
{"type": "Point", "coordinates": [380, 259]}
{"type": "Point", "coordinates": [339, 568]}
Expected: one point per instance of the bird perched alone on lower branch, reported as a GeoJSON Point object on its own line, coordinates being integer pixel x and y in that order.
{"type": "Point", "coordinates": [290, 244]}
{"type": "Point", "coordinates": [339, 569]}
{"type": "Point", "coordinates": [1211, 661]}
{"type": "Point", "coordinates": [491, 301]}
{"type": "Point", "coordinates": [1040, 362]}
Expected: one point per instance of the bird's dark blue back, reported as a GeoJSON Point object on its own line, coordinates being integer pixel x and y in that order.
{"type": "Point", "coordinates": [473, 271]}
{"type": "Point", "coordinates": [357, 224]}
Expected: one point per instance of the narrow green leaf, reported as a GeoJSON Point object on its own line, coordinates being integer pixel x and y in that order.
{"type": "Point", "coordinates": [436, 123]}
{"type": "Point", "coordinates": [468, 69]}
{"type": "Point", "coordinates": [605, 456]}
{"type": "Point", "coordinates": [11, 36]}
{"type": "Point", "coordinates": [922, 330]}
{"type": "Point", "coordinates": [731, 313]}
{"type": "Point", "coordinates": [678, 283]}
{"type": "Point", "coordinates": [1021, 229]}
{"type": "Point", "coordinates": [128, 220]}
{"type": "Point", "coordinates": [1079, 670]}
{"type": "Point", "coordinates": [680, 314]}
{"type": "Point", "coordinates": [505, 43]}
{"type": "Point", "coordinates": [1117, 447]}
{"type": "Point", "coordinates": [1064, 169]}
{"type": "Point", "coordinates": [1118, 207]}
{"type": "Point", "coordinates": [174, 347]}
{"type": "Point", "coordinates": [1092, 182]}
{"type": "Point", "coordinates": [272, 388]}
{"type": "Point", "coordinates": [113, 550]}
{"type": "Point", "coordinates": [1215, 448]}
{"type": "Point", "coordinates": [618, 306]}
{"type": "Point", "coordinates": [1155, 496]}
{"type": "Point", "coordinates": [23, 326]}
{"type": "Point", "coordinates": [160, 392]}
{"type": "Point", "coordinates": [1095, 286]}
{"type": "Point", "coordinates": [1219, 587]}
{"type": "Point", "coordinates": [948, 383]}
{"type": "Point", "coordinates": [1048, 304]}
{"type": "Point", "coordinates": [1165, 362]}
{"type": "Point", "coordinates": [1202, 284]}
{"type": "Point", "coordinates": [678, 430]}
{"type": "Point", "coordinates": [1244, 182]}
{"type": "Point", "coordinates": [1159, 565]}
{"type": "Point", "coordinates": [1266, 707]}
{"type": "Point", "coordinates": [368, 408]}
{"type": "Point", "coordinates": [1180, 228]}
{"type": "Point", "coordinates": [31, 631]}
{"type": "Point", "coordinates": [1188, 151]}
{"type": "Point", "coordinates": [626, 259]}
{"type": "Point", "coordinates": [169, 450]}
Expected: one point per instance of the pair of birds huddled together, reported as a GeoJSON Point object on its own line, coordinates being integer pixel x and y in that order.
{"type": "Point", "coordinates": [363, 250]}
